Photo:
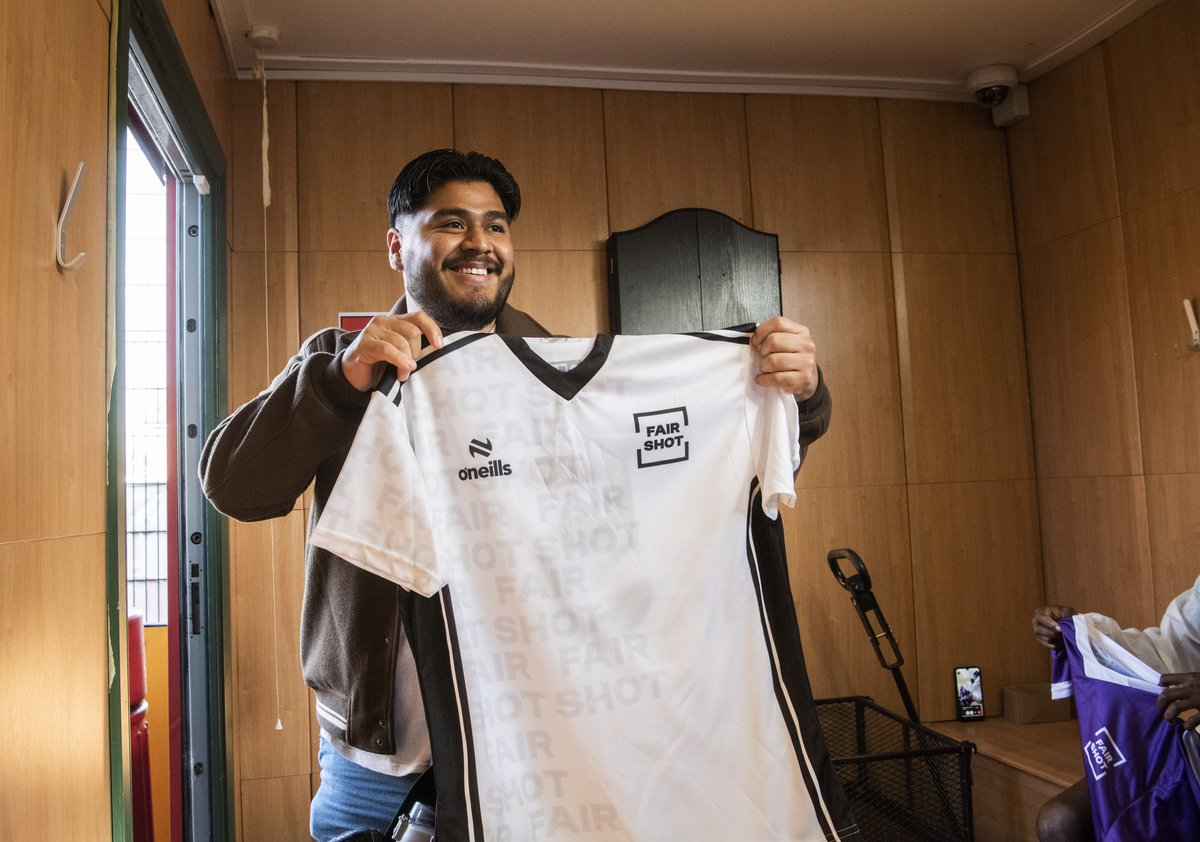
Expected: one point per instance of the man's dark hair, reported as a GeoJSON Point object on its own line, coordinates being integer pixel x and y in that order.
{"type": "Point", "coordinates": [427, 172]}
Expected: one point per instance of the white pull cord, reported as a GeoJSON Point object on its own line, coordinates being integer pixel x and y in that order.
{"type": "Point", "coordinates": [260, 73]}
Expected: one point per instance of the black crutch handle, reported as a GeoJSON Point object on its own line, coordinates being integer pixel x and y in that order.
{"type": "Point", "coordinates": [864, 602]}
{"type": "Point", "coordinates": [858, 584]}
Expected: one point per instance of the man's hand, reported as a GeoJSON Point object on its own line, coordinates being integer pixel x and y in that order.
{"type": "Point", "coordinates": [388, 339]}
{"type": "Point", "coordinates": [1181, 697]}
{"type": "Point", "coordinates": [1045, 624]}
{"type": "Point", "coordinates": [789, 357]}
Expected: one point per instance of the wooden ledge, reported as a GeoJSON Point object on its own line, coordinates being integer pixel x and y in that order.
{"type": "Point", "coordinates": [1047, 750]}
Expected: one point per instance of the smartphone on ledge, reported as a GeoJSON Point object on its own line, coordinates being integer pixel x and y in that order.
{"type": "Point", "coordinates": [968, 693]}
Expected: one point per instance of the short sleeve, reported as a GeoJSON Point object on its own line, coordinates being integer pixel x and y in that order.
{"type": "Point", "coordinates": [378, 516]}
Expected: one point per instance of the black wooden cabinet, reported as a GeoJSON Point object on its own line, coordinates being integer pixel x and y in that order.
{"type": "Point", "coordinates": [691, 269]}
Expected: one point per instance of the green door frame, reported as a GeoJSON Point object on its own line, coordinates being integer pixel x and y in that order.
{"type": "Point", "coordinates": [142, 26]}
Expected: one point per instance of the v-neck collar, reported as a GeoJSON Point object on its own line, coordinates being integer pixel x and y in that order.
{"type": "Point", "coordinates": [565, 384]}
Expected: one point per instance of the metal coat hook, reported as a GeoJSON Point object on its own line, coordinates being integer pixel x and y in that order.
{"type": "Point", "coordinates": [1190, 312]}
{"type": "Point", "coordinates": [65, 218]}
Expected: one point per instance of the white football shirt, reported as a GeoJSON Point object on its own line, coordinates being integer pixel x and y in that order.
{"type": "Point", "coordinates": [600, 609]}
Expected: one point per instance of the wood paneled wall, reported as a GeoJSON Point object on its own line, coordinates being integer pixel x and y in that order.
{"type": "Point", "coordinates": [53, 628]}
{"type": "Point", "coordinates": [1106, 190]}
{"type": "Point", "coordinates": [57, 449]}
{"type": "Point", "coordinates": [898, 248]}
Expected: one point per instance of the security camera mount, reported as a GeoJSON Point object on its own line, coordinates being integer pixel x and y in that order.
{"type": "Point", "coordinates": [990, 84]}
{"type": "Point", "coordinates": [995, 86]}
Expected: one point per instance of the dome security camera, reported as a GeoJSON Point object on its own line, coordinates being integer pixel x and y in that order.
{"type": "Point", "coordinates": [992, 83]}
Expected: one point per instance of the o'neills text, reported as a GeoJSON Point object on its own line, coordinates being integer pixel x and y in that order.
{"type": "Point", "coordinates": [495, 468]}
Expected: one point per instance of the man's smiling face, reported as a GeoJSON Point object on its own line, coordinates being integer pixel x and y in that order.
{"type": "Point", "coordinates": [456, 255]}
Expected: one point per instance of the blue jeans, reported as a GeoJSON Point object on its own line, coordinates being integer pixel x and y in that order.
{"type": "Point", "coordinates": [351, 797]}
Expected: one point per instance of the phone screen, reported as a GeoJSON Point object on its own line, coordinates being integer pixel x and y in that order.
{"type": "Point", "coordinates": [968, 683]}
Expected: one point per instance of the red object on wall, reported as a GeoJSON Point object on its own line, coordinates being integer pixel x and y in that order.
{"type": "Point", "coordinates": [139, 734]}
{"type": "Point", "coordinates": [355, 321]}
{"type": "Point", "coordinates": [137, 657]}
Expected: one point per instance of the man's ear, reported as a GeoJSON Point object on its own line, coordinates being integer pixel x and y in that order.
{"type": "Point", "coordinates": [394, 243]}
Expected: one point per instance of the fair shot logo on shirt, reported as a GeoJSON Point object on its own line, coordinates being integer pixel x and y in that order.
{"type": "Point", "coordinates": [663, 437]}
{"type": "Point", "coordinates": [1102, 754]}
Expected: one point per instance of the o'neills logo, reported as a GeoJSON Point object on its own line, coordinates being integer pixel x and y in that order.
{"type": "Point", "coordinates": [494, 468]}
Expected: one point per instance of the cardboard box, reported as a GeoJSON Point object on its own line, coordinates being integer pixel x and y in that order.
{"type": "Point", "coordinates": [1026, 703]}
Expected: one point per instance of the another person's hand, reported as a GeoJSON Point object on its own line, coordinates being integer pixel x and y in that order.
{"type": "Point", "coordinates": [388, 339]}
{"type": "Point", "coordinates": [789, 356]}
{"type": "Point", "coordinates": [1181, 696]}
{"type": "Point", "coordinates": [1045, 624]}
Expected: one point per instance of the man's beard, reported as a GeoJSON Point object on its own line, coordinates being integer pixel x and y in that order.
{"type": "Point", "coordinates": [475, 312]}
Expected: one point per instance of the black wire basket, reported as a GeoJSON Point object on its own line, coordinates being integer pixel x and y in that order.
{"type": "Point", "coordinates": [904, 781]}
